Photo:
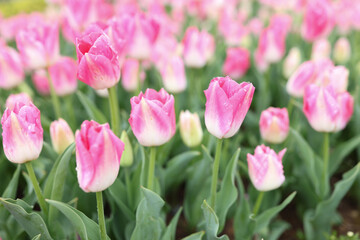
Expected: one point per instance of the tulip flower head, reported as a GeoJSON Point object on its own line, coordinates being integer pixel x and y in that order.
{"type": "Point", "coordinates": [173, 75]}
{"type": "Point", "coordinates": [152, 117]}
{"type": "Point", "coordinates": [227, 103]}
{"type": "Point", "coordinates": [11, 68]}
{"type": "Point", "coordinates": [61, 135]}
{"type": "Point", "coordinates": [15, 98]}
{"type": "Point", "coordinates": [98, 154]}
{"type": "Point", "coordinates": [22, 132]}
{"type": "Point", "coordinates": [266, 168]}
{"type": "Point", "coordinates": [342, 50]}
{"type": "Point", "coordinates": [274, 124]}
{"type": "Point", "coordinates": [190, 128]}
{"type": "Point", "coordinates": [237, 62]}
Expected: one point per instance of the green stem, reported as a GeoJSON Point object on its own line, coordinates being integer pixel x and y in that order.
{"type": "Point", "coordinates": [70, 109]}
{"type": "Point", "coordinates": [151, 172]}
{"type": "Point", "coordinates": [128, 185]}
{"type": "Point", "coordinates": [290, 106]}
{"type": "Point", "coordinates": [101, 216]}
{"type": "Point", "coordinates": [215, 174]}
{"type": "Point", "coordinates": [114, 111]}
{"type": "Point", "coordinates": [37, 189]}
{"type": "Point", "coordinates": [326, 164]}
{"type": "Point", "coordinates": [54, 98]}
{"type": "Point", "coordinates": [258, 203]}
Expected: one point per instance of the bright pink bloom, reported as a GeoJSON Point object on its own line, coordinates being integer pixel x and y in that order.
{"type": "Point", "coordinates": [98, 154]}
{"type": "Point", "coordinates": [130, 75]}
{"type": "Point", "coordinates": [99, 65]}
{"type": "Point", "coordinates": [337, 77]}
{"type": "Point", "coordinates": [199, 47]}
{"type": "Point", "coordinates": [274, 124]}
{"type": "Point", "coordinates": [63, 76]}
{"type": "Point", "coordinates": [266, 168]}
{"type": "Point", "coordinates": [152, 117]}
{"type": "Point", "coordinates": [318, 20]}
{"type": "Point", "coordinates": [38, 44]}
{"type": "Point", "coordinates": [227, 103]}
{"type": "Point", "coordinates": [326, 110]}
{"type": "Point", "coordinates": [22, 132]}
{"type": "Point", "coordinates": [321, 49]}
{"type": "Point", "coordinates": [41, 82]}
{"type": "Point", "coordinates": [61, 135]}
{"type": "Point", "coordinates": [16, 98]}
{"type": "Point", "coordinates": [173, 75]}
{"type": "Point", "coordinates": [237, 62]}
{"type": "Point", "coordinates": [11, 68]}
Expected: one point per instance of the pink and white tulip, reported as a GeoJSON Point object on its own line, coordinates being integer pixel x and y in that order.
{"type": "Point", "coordinates": [152, 117]}
{"type": "Point", "coordinates": [11, 68]}
{"type": "Point", "coordinates": [292, 62]}
{"type": "Point", "coordinates": [227, 103]}
{"type": "Point", "coordinates": [274, 124]}
{"type": "Point", "coordinates": [342, 50]}
{"type": "Point", "coordinates": [17, 98]}
{"type": "Point", "coordinates": [98, 154]}
{"type": "Point", "coordinates": [190, 128]}
{"type": "Point", "coordinates": [337, 77]}
{"type": "Point", "coordinates": [266, 168]}
{"type": "Point", "coordinates": [173, 74]}
{"type": "Point", "coordinates": [61, 135]}
{"type": "Point", "coordinates": [199, 47]}
{"type": "Point", "coordinates": [321, 49]}
{"type": "Point", "coordinates": [326, 110]}
{"type": "Point", "coordinates": [237, 62]}
{"type": "Point", "coordinates": [41, 82]}
{"type": "Point", "coordinates": [130, 75]}
{"type": "Point", "coordinates": [22, 132]}
{"type": "Point", "coordinates": [63, 76]}
{"type": "Point", "coordinates": [98, 62]}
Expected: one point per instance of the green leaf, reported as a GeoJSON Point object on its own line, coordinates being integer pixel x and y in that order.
{"type": "Point", "coordinates": [176, 167]}
{"type": "Point", "coordinates": [317, 223]}
{"type": "Point", "coordinates": [340, 152]}
{"type": "Point", "coordinates": [278, 228]}
{"type": "Point", "coordinates": [195, 236]}
{"type": "Point", "coordinates": [264, 218]}
{"type": "Point", "coordinates": [211, 223]}
{"type": "Point", "coordinates": [149, 225]}
{"type": "Point", "coordinates": [93, 112]}
{"type": "Point", "coordinates": [171, 229]}
{"type": "Point", "coordinates": [86, 228]}
{"type": "Point", "coordinates": [228, 192]}
{"type": "Point", "coordinates": [37, 237]}
{"type": "Point", "coordinates": [10, 191]}
{"type": "Point", "coordinates": [31, 222]}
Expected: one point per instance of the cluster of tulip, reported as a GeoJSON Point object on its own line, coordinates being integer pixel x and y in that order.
{"type": "Point", "coordinates": [136, 43]}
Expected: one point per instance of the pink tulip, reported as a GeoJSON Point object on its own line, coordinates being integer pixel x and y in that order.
{"type": "Point", "coordinates": [11, 68]}
{"type": "Point", "coordinates": [22, 132]}
{"type": "Point", "coordinates": [237, 62]}
{"type": "Point", "coordinates": [292, 62]}
{"type": "Point", "coordinates": [38, 44]}
{"type": "Point", "coordinates": [61, 135]}
{"type": "Point", "coordinates": [152, 117]}
{"type": "Point", "coordinates": [199, 47]}
{"type": "Point", "coordinates": [318, 20]}
{"type": "Point", "coordinates": [227, 103]}
{"type": "Point", "coordinates": [321, 49]}
{"type": "Point", "coordinates": [173, 75]}
{"type": "Point", "coordinates": [274, 124]}
{"type": "Point", "coordinates": [130, 75]}
{"type": "Point", "coordinates": [337, 77]}
{"type": "Point", "coordinates": [271, 45]}
{"type": "Point", "coordinates": [342, 50]}
{"type": "Point", "coordinates": [15, 98]}
{"type": "Point", "coordinates": [98, 154]}
{"type": "Point", "coordinates": [266, 168]}
{"type": "Point", "coordinates": [41, 82]}
{"type": "Point", "coordinates": [99, 65]}
{"type": "Point", "coordinates": [63, 76]}
{"type": "Point", "coordinates": [326, 110]}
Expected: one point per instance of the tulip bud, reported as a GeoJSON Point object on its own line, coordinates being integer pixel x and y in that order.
{"type": "Point", "coordinates": [11, 69]}
{"type": "Point", "coordinates": [15, 98]}
{"type": "Point", "coordinates": [41, 82]}
{"type": "Point", "coordinates": [98, 154]}
{"type": "Point", "coordinates": [199, 47]}
{"type": "Point", "coordinates": [61, 135]}
{"type": "Point", "coordinates": [152, 117]}
{"type": "Point", "coordinates": [128, 156]}
{"type": "Point", "coordinates": [292, 62]}
{"type": "Point", "coordinates": [321, 50]}
{"type": "Point", "coordinates": [99, 65]}
{"type": "Point", "coordinates": [274, 124]}
{"type": "Point", "coordinates": [266, 168]}
{"type": "Point", "coordinates": [190, 128]}
{"type": "Point", "coordinates": [130, 75]}
{"type": "Point", "coordinates": [326, 110]}
{"type": "Point", "coordinates": [173, 75]}
{"type": "Point", "coordinates": [22, 132]}
{"type": "Point", "coordinates": [237, 62]}
{"type": "Point", "coordinates": [63, 76]}
{"type": "Point", "coordinates": [227, 103]}
{"type": "Point", "coordinates": [342, 50]}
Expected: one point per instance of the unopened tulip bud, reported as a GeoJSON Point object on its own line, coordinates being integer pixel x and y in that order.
{"type": "Point", "coordinates": [266, 168]}
{"type": "Point", "coordinates": [190, 128]}
{"type": "Point", "coordinates": [61, 135]}
{"type": "Point", "coordinates": [342, 50]}
{"type": "Point", "coordinates": [127, 158]}
{"type": "Point", "coordinates": [237, 62]}
{"type": "Point", "coordinates": [98, 154]}
{"type": "Point", "coordinates": [292, 62]}
{"type": "Point", "coordinates": [22, 132]}
{"type": "Point", "coordinates": [173, 75]}
{"type": "Point", "coordinates": [130, 75]}
{"type": "Point", "coordinates": [274, 124]}
{"type": "Point", "coordinates": [321, 50]}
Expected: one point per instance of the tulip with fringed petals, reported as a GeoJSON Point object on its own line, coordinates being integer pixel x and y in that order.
{"type": "Point", "coordinates": [274, 124]}
{"type": "Point", "coordinates": [190, 128]}
{"type": "Point", "coordinates": [15, 98]}
{"type": "Point", "coordinates": [61, 135]}
{"type": "Point", "coordinates": [152, 117]}
{"type": "Point", "coordinates": [22, 132]}
{"type": "Point", "coordinates": [266, 168]}
{"type": "Point", "coordinates": [227, 103]}
{"type": "Point", "coordinates": [98, 154]}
